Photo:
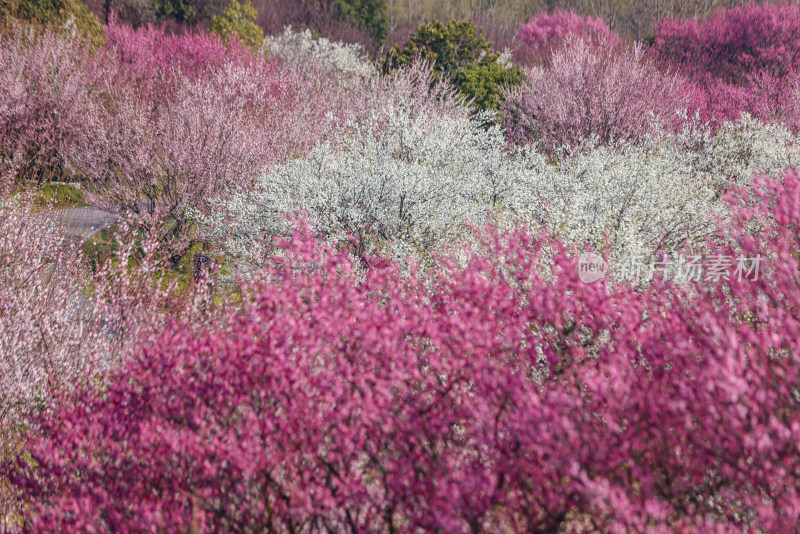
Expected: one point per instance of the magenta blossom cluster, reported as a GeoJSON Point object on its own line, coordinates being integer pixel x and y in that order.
{"type": "Point", "coordinates": [495, 393]}
{"type": "Point", "coordinates": [733, 44]}
{"type": "Point", "coordinates": [151, 52]}
{"type": "Point", "coordinates": [743, 59]}
{"type": "Point", "coordinates": [545, 32]}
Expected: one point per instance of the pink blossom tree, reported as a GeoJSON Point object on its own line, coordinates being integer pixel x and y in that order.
{"type": "Point", "coordinates": [545, 32]}
{"type": "Point", "coordinates": [733, 43]}
{"type": "Point", "coordinates": [150, 52]}
{"type": "Point", "coordinates": [591, 91]}
{"type": "Point", "coordinates": [182, 121]}
{"type": "Point", "coordinates": [155, 163]}
{"type": "Point", "coordinates": [45, 87]}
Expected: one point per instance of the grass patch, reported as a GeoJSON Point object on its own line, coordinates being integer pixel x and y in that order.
{"type": "Point", "coordinates": [61, 196]}
{"type": "Point", "coordinates": [54, 196]}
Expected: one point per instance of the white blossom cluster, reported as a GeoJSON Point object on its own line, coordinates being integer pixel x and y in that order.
{"type": "Point", "coordinates": [740, 149]}
{"type": "Point", "coordinates": [635, 200]}
{"type": "Point", "coordinates": [408, 176]}
{"type": "Point", "coordinates": [505, 58]}
{"type": "Point", "coordinates": [624, 200]}
{"type": "Point", "coordinates": [401, 186]}
{"type": "Point", "coordinates": [348, 62]}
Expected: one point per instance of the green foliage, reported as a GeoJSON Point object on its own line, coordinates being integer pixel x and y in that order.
{"type": "Point", "coordinates": [70, 17]}
{"type": "Point", "coordinates": [61, 196]}
{"type": "Point", "coordinates": [105, 246]}
{"type": "Point", "coordinates": [37, 11]}
{"type": "Point", "coordinates": [367, 15]}
{"type": "Point", "coordinates": [239, 19]}
{"type": "Point", "coordinates": [459, 52]}
{"type": "Point", "coordinates": [450, 48]}
{"type": "Point", "coordinates": [7, 10]}
{"type": "Point", "coordinates": [101, 247]}
{"type": "Point", "coordinates": [181, 10]}
{"type": "Point", "coordinates": [485, 83]}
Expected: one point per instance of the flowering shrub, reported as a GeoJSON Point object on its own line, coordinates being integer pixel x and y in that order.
{"type": "Point", "coordinates": [45, 83]}
{"type": "Point", "coordinates": [738, 150]}
{"type": "Point", "coordinates": [659, 195]}
{"type": "Point", "coordinates": [149, 53]}
{"type": "Point", "coordinates": [346, 62]}
{"type": "Point", "coordinates": [404, 174]}
{"type": "Point", "coordinates": [59, 322]}
{"type": "Point", "coordinates": [744, 59]}
{"type": "Point", "coordinates": [764, 96]}
{"type": "Point", "coordinates": [625, 201]}
{"type": "Point", "coordinates": [41, 339]}
{"type": "Point", "coordinates": [733, 44]}
{"type": "Point", "coordinates": [175, 149]}
{"type": "Point", "coordinates": [545, 32]}
{"type": "Point", "coordinates": [591, 91]}
{"type": "Point", "coordinates": [343, 466]}
{"type": "Point", "coordinates": [486, 396]}
{"type": "Point", "coordinates": [153, 163]}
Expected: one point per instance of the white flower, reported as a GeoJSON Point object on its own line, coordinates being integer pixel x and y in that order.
{"type": "Point", "coordinates": [399, 187]}
{"type": "Point", "coordinates": [627, 200]}
{"type": "Point", "coordinates": [661, 195]}
{"type": "Point", "coordinates": [505, 58]}
{"type": "Point", "coordinates": [406, 173]}
{"type": "Point", "coordinates": [742, 148]}
{"type": "Point", "coordinates": [348, 62]}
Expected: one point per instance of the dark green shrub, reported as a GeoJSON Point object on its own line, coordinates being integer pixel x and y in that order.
{"type": "Point", "coordinates": [484, 83]}
{"type": "Point", "coordinates": [238, 19]}
{"type": "Point", "coordinates": [459, 52]}
{"type": "Point", "coordinates": [369, 16]}
{"type": "Point", "coordinates": [181, 10]}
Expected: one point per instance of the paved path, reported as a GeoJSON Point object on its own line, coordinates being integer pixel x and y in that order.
{"type": "Point", "coordinates": [80, 224]}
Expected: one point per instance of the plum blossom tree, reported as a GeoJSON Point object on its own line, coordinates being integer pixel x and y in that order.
{"type": "Point", "coordinates": [186, 120]}
{"type": "Point", "coordinates": [588, 90]}
{"type": "Point", "coordinates": [150, 55]}
{"type": "Point", "coordinates": [734, 43]}
{"type": "Point", "coordinates": [402, 175]}
{"type": "Point", "coordinates": [545, 32]}
{"type": "Point", "coordinates": [499, 392]}
{"type": "Point", "coordinates": [45, 87]}
{"type": "Point", "coordinates": [346, 63]}
{"type": "Point", "coordinates": [742, 59]}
